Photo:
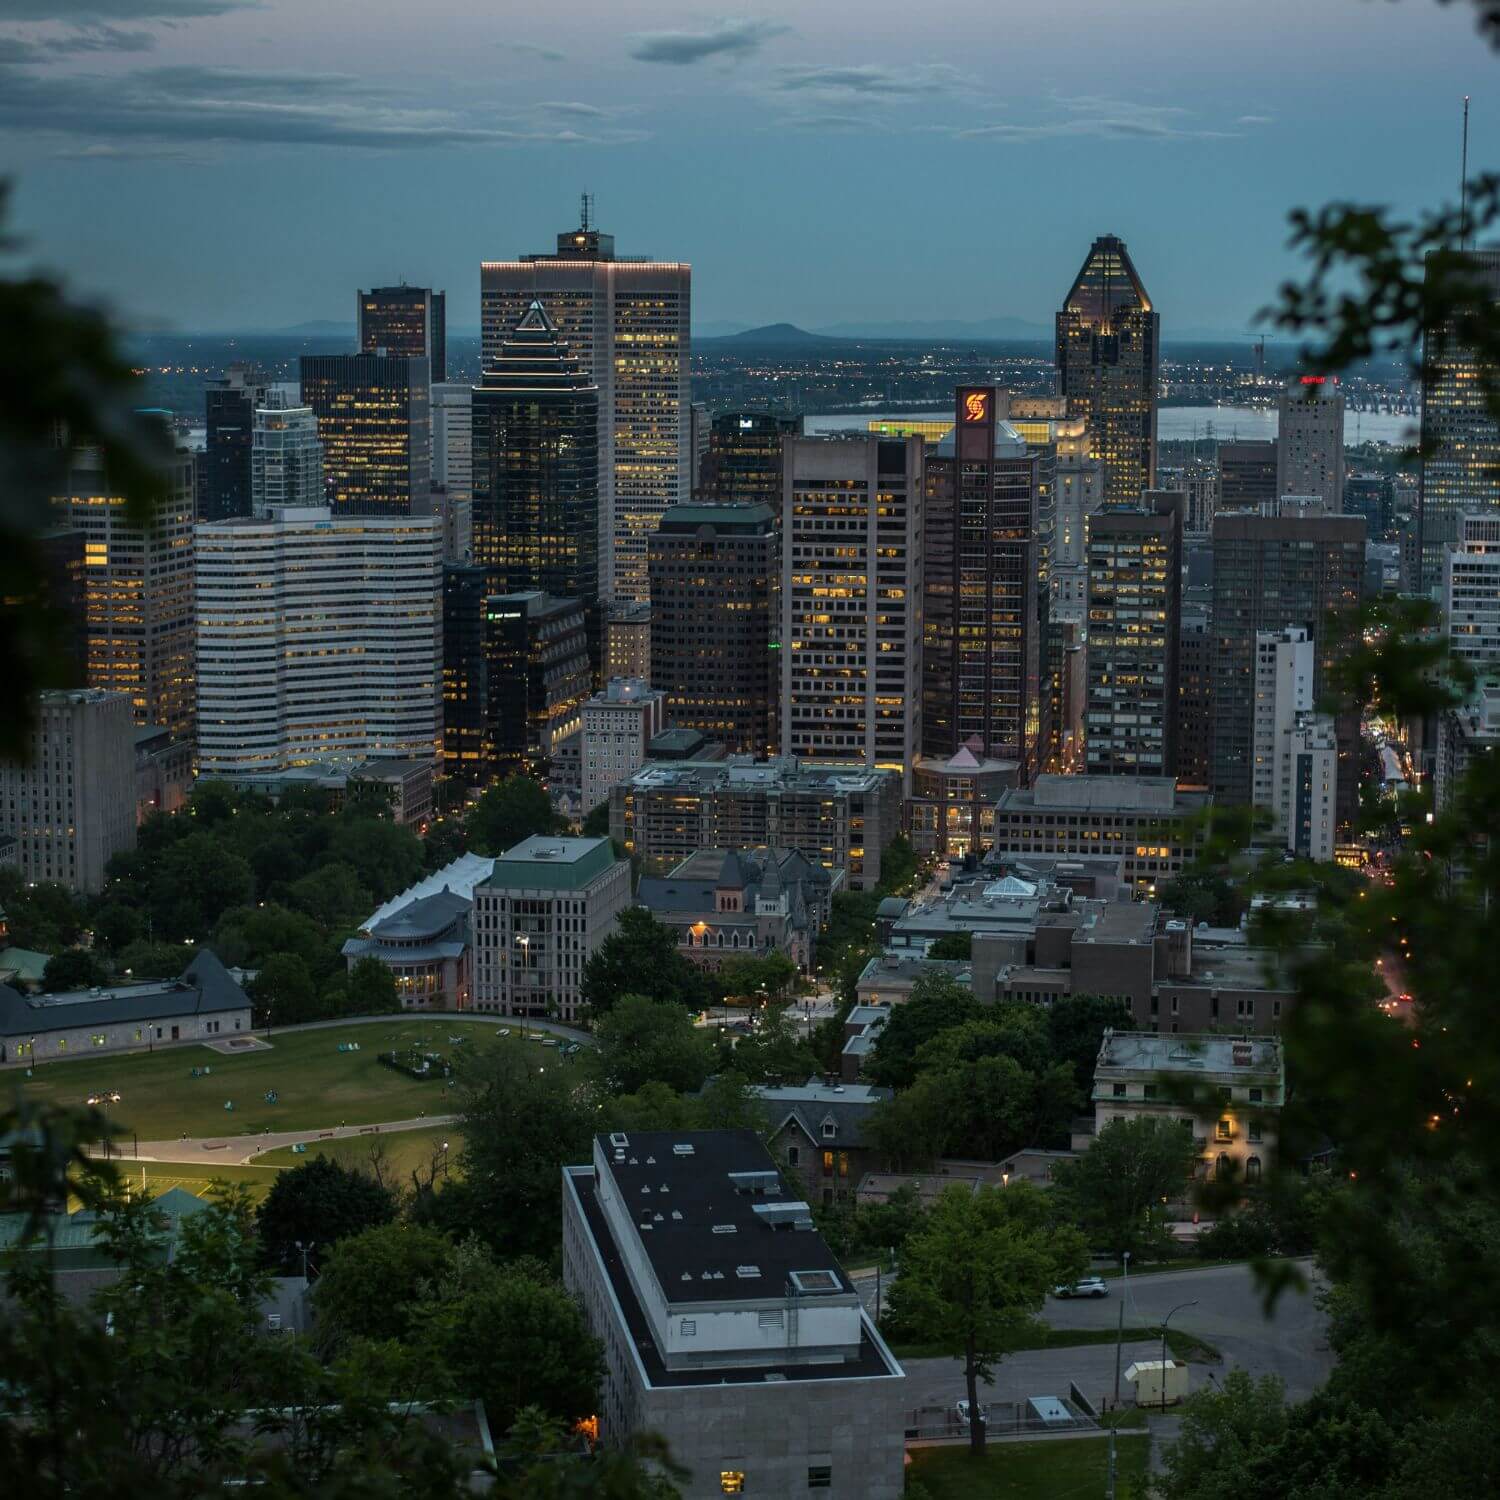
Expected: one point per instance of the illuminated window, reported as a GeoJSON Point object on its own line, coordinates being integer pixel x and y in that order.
{"type": "Point", "coordinates": [732, 1481]}
{"type": "Point", "coordinates": [1226, 1130]}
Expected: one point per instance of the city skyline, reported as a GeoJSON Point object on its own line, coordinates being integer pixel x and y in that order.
{"type": "Point", "coordinates": [779, 123]}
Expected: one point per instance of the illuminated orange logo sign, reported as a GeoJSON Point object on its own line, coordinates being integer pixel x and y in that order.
{"type": "Point", "coordinates": [976, 406]}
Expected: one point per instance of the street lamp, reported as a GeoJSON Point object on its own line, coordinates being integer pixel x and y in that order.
{"type": "Point", "coordinates": [103, 1101]}
{"type": "Point", "coordinates": [305, 1251]}
{"type": "Point", "coordinates": [1164, 1323]}
{"type": "Point", "coordinates": [525, 941]}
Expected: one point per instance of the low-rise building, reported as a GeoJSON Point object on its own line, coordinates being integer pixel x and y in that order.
{"type": "Point", "coordinates": [841, 816]}
{"type": "Point", "coordinates": [951, 810]}
{"type": "Point", "coordinates": [727, 903]}
{"type": "Point", "coordinates": [817, 1132]}
{"type": "Point", "coordinates": [538, 917]}
{"type": "Point", "coordinates": [1228, 1089]}
{"type": "Point", "coordinates": [728, 1325]}
{"type": "Point", "coordinates": [889, 977]}
{"type": "Point", "coordinates": [619, 722]}
{"type": "Point", "coordinates": [203, 1004]}
{"type": "Point", "coordinates": [163, 771]}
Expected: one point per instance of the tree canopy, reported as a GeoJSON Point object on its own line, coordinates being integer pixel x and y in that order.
{"type": "Point", "coordinates": [315, 1205]}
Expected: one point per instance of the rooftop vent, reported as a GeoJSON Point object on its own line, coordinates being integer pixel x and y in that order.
{"type": "Point", "coordinates": [682, 1149]}
{"type": "Point", "coordinates": [814, 1283]}
{"type": "Point", "coordinates": [756, 1184]}
{"type": "Point", "coordinates": [774, 1375]}
{"type": "Point", "coordinates": [747, 1273]}
{"type": "Point", "coordinates": [782, 1215]}
{"type": "Point", "coordinates": [725, 1229]}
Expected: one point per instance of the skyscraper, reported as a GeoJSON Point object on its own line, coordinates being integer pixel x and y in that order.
{"type": "Point", "coordinates": [1471, 590]}
{"type": "Point", "coordinates": [229, 408]}
{"type": "Point", "coordinates": [1460, 437]}
{"type": "Point", "coordinates": [1294, 774]}
{"type": "Point", "coordinates": [406, 320]}
{"type": "Point", "coordinates": [465, 684]}
{"type": "Point", "coordinates": [980, 629]}
{"type": "Point", "coordinates": [453, 465]}
{"type": "Point", "coordinates": [851, 600]}
{"type": "Point", "coordinates": [1247, 474]}
{"type": "Point", "coordinates": [536, 680]}
{"type": "Point", "coordinates": [628, 321]}
{"type": "Point", "coordinates": [536, 469]}
{"type": "Point", "coordinates": [743, 462]}
{"type": "Point", "coordinates": [714, 580]}
{"type": "Point", "coordinates": [1310, 440]}
{"type": "Point", "coordinates": [1135, 615]}
{"type": "Point", "coordinates": [1107, 351]}
{"type": "Point", "coordinates": [1271, 571]}
{"type": "Point", "coordinates": [137, 591]}
{"type": "Point", "coordinates": [374, 422]}
{"type": "Point", "coordinates": [286, 459]}
{"type": "Point", "coordinates": [317, 639]}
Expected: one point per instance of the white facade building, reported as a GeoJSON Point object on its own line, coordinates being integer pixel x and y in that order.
{"type": "Point", "coordinates": [317, 638]}
{"type": "Point", "coordinates": [851, 601]}
{"type": "Point", "coordinates": [286, 459]}
{"type": "Point", "coordinates": [1294, 770]}
{"type": "Point", "coordinates": [1307, 785]}
{"type": "Point", "coordinates": [1310, 441]}
{"type": "Point", "coordinates": [453, 465]}
{"type": "Point", "coordinates": [618, 724]}
{"type": "Point", "coordinates": [546, 906]}
{"type": "Point", "coordinates": [1080, 493]}
{"type": "Point", "coordinates": [1471, 590]}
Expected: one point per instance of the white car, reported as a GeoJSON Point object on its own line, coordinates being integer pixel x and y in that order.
{"type": "Point", "coordinates": [961, 1411]}
{"type": "Point", "coordinates": [1090, 1286]}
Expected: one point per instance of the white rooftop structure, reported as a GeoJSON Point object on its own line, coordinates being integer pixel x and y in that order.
{"type": "Point", "coordinates": [458, 878]}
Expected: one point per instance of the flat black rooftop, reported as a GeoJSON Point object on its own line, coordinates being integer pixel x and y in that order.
{"type": "Point", "coordinates": [704, 1226]}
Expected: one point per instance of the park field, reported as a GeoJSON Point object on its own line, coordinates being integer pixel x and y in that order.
{"type": "Point", "coordinates": [406, 1151]}
{"type": "Point", "coordinates": [316, 1085]}
{"type": "Point", "coordinates": [1073, 1467]}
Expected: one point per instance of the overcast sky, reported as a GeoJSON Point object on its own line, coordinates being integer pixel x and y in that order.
{"type": "Point", "coordinates": [214, 164]}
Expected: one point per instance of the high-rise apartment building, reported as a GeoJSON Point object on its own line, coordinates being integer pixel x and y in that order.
{"type": "Point", "coordinates": [1135, 615]}
{"type": "Point", "coordinates": [137, 591]}
{"type": "Point", "coordinates": [1294, 775]}
{"type": "Point", "coordinates": [619, 722]}
{"type": "Point", "coordinates": [229, 411]}
{"type": "Point", "coordinates": [1198, 479]}
{"type": "Point", "coordinates": [1471, 590]}
{"type": "Point", "coordinates": [375, 424]}
{"type": "Point", "coordinates": [409, 321]}
{"type": "Point", "coordinates": [627, 640]}
{"type": "Point", "coordinates": [1195, 696]}
{"type": "Point", "coordinates": [628, 321]}
{"type": "Point", "coordinates": [852, 534]}
{"type": "Point", "coordinates": [318, 639]}
{"type": "Point", "coordinates": [1108, 337]}
{"type": "Point", "coordinates": [715, 622]}
{"type": "Point", "coordinates": [1460, 436]}
{"type": "Point", "coordinates": [536, 469]}
{"type": "Point", "coordinates": [1080, 492]}
{"type": "Point", "coordinates": [1247, 474]}
{"type": "Point", "coordinates": [1310, 440]}
{"type": "Point", "coordinates": [286, 459]}
{"type": "Point", "coordinates": [70, 806]}
{"type": "Point", "coordinates": [1271, 571]}
{"type": "Point", "coordinates": [743, 461]}
{"type": "Point", "coordinates": [980, 630]}
{"type": "Point", "coordinates": [1284, 672]}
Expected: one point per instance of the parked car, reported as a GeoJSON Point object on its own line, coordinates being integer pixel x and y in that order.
{"type": "Point", "coordinates": [503, 1031]}
{"type": "Point", "coordinates": [961, 1411]}
{"type": "Point", "coordinates": [1090, 1286]}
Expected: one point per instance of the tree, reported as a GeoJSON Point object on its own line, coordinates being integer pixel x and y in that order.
{"type": "Point", "coordinates": [332, 896]}
{"type": "Point", "coordinates": [73, 969]}
{"type": "Point", "coordinates": [508, 813]}
{"type": "Point", "coordinates": [44, 917]}
{"type": "Point", "coordinates": [283, 993]}
{"type": "Point", "coordinates": [898, 867]}
{"type": "Point", "coordinates": [773, 1053]}
{"type": "Point", "coordinates": [1113, 1187]}
{"type": "Point", "coordinates": [373, 1284]}
{"type": "Point", "coordinates": [317, 1203]}
{"type": "Point", "coordinates": [640, 952]}
{"type": "Point", "coordinates": [196, 881]}
{"type": "Point", "coordinates": [975, 1275]}
{"type": "Point", "coordinates": [936, 1003]}
{"type": "Point", "coordinates": [1075, 1031]}
{"type": "Point", "coordinates": [387, 856]}
{"type": "Point", "coordinates": [596, 824]}
{"type": "Point", "coordinates": [371, 989]}
{"type": "Point", "coordinates": [250, 935]}
{"type": "Point", "coordinates": [1203, 895]}
{"type": "Point", "coordinates": [116, 926]}
{"type": "Point", "coordinates": [641, 1041]}
{"type": "Point", "coordinates": [143, 960]}
{"type": "Point", "coordinates": [952, 945]}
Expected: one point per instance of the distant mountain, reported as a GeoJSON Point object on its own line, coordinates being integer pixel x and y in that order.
{"type": "Point", "coordinates": [772, 333]}
{"type": "Point", "coordinates": [941, 328]}
{"type": "Point", "coordinates": [718, 330]}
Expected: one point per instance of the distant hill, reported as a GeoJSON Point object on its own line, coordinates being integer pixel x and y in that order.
{"type": "Point", "coordinates": [772, 333]}
{"type": "Point", "coordinates": [941, 328]}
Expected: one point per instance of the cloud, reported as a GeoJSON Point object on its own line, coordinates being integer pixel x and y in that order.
{"type": "Point", "coordinates": [830, 122]}
{"type": "Point", "coordinates": [193, 104]}
{"type": "Point", "coordinates": [529, 49]}
{"type": "Point", "coordinates": [872, 79]}
{"type": "Point", "coordinates": [728, 39]}
{"type": "Point", "coordinates": [15, 50]}
{"type": "Point", "coordinates": [574, 108]}
{"type": "Point", "coordinates": [1255, 120]}
{"type": "Point", "coordinates": [121, 10]}
{"type": "Point", "coordinates": [1095, 117]}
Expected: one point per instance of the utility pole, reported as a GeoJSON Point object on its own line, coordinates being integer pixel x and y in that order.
{"type": "Point", "coordinates": [1111, 1491]}
{"type": "Point", "coordinates": [1119, 1339]}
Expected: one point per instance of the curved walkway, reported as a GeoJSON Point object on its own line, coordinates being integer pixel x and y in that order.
{"type": "Point", "coordinates": [438, 1017]}
{"type": "Point", "coordinates": [239, 1150]}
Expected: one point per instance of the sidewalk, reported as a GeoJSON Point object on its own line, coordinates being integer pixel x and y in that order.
{"type": "Point", "coordinates": [238, 1150]}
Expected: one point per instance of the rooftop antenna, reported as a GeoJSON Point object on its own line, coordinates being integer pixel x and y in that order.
{"type": "Point", "coordinates": [588, 198]}
{"type": "Point", "coordinates": [1463, 182]}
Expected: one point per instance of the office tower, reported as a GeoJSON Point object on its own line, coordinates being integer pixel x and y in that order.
{"type": "Point", "coordinates": [536, 469]}
{"type": "Point", "coordinates": [1271, 571]}
{"type": "Point", "coordinates": [70, 805]}
{"type": "Point", "coordinates": [619, 722]}
{"type": "Point", "coordinates": [374, 421]}
{"type": "Point", "coordinates": [627, 640]}
{"type": "Point", "coordinates": [981, 638]}
{"type": "Point", "coordinates": [318, 639]}
{"type": "Point", "coordinates": [851, 600]}
{"type": "Point", "coordinates": [1107, 351]}
{"type": "Point", "coordinates": [61, 593]}
{"type": "Point", "coordinates": [1460, 437]}
{"type": "Point", "coordinates": [465, 679]}
{"type": "Point", "coordinates": [1310, 440]}
{"type": "Point", "coordinates": [743, 463]}
{"type": "Point", "coordinates": [1198, 480]}
{"type": "Point", "coordinates": [229, 408]}
{"type": "Point", "coordinates": [1195, 724]}
{"type": "Point", "coordinates": [286, 459]}
{"type": "Point", "coordinates": [1080, 492]}
{"type": "Point", "coordinates": [1471, 590]}
{"type": "Point", "coordinates": [1307, 787]}
{"type": "Point", "coordinates": [537, 678]}
{"type": "Point", "coordinates": [1247, 474]}
{"type": "Point", "coordinates": [1135, 614]}
{"type": "Point", "coordinates": [698, 428]}
{"type": "Point", "coordinates": [453, 467]}
{"type": "Point", "coordinates": [408, 321]}
{"type": "Point", "coordinates": [628, 322]}
{"type": "Point", "coordinates": [714, 573]}
{"type": "Point", "coordinates": [1372, 496]}
{"type": "Point", "coordinates": [137, 591]}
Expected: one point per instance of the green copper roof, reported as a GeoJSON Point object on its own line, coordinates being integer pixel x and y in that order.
{"type": "Point", "coordinates": [556, 864]}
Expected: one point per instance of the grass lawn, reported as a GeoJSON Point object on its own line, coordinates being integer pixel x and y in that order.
{"type": "Point", "coordinates": [1018, 1471]}
{"type": "Point", "coordinates": [316, 1084]}
{"type": "Point", "coordinates": [1179, 1345]}
{"type": "Point", "coordinates": [405, 1150]}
